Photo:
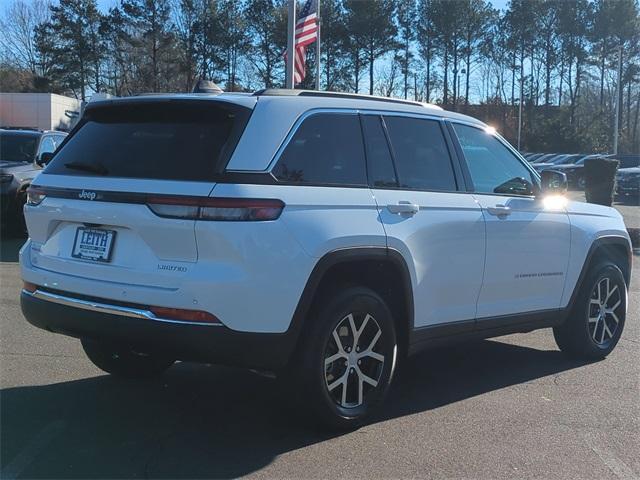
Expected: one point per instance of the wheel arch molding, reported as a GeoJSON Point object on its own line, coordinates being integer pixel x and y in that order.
{"type": "Point", "coordinates": [358, 266]}
{"type": "Point", "coordinates": [610, 247]}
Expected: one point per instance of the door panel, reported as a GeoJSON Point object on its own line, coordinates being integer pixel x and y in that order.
{"type": "Point", "coordinates": [439, 231]}
{"type": "Point", "coordinates": [527, 254]}
{"type": "Point", "coordinates": [444, 245]}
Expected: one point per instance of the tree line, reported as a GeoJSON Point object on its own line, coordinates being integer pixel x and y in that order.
{"type": "Point", "coordinates": [560, 57]}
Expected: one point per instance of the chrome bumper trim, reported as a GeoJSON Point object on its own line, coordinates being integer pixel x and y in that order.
{"type": "Point", "coordinates": [107, 308]}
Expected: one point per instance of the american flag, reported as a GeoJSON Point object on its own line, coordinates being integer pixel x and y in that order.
{"type": "Point", "coordinates": [306, 34]}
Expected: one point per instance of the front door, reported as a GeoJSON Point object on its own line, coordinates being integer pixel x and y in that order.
{"type": "Point", "coordinates": [527, 238]}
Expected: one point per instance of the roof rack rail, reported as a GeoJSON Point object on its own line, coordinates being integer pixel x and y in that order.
{"type": "Point", "coordinates": [284, 92]}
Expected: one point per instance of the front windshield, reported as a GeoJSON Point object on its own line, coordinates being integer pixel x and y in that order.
{"type": "Point", "coordinates": [18, 148]}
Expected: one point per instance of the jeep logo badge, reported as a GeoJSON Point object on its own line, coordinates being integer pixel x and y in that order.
{"type": "Point", "coordinates": [84, 195]}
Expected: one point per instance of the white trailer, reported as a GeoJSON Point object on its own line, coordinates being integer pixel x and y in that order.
{"type": "Point", "coordinates": [42, 111]}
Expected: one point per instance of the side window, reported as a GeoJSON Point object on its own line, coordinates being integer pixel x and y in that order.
{"type": "Point", "coordinates": [327, 148]}
{"type": "Point", "coordinates": [47, 145]}
{"type": "Point", "coordinates": [379, 163]}
{"type": "Point", "coordinates": [421, 155]}
{"type": "Point", "coordinates": [493, 168]}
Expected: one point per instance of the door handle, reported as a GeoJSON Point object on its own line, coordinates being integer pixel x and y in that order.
{"type": "Point", "coordinates": [404, 206]}
{"type": "Point", "coordinates": [499, 210]}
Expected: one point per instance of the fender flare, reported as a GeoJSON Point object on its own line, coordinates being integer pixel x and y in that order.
{"type": "Point", "coordinates": [601, 242]}
{"type": "Point", "coordinates": [344, 255]}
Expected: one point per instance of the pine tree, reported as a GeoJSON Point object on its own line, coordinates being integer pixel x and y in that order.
{"type": "Point", "coordinates": [71, 43]}
{"type": "Point", "coordinates": [370, 25]}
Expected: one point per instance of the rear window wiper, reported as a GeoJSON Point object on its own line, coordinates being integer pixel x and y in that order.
{"type": "Point", "coordinates": [88, 167]}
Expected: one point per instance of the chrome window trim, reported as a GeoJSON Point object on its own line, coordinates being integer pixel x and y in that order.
{"type": "Point", "coordinates": [109, 309]}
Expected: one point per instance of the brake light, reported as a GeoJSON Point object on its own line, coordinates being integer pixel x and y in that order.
{"type": "Point", "coordinates": [35, 196]}
{"type": "Point", "coordinates": [198, 316]}
{"type": "Point", "coordinates": [216, 209]}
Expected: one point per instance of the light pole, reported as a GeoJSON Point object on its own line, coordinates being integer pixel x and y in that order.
{"type": "Point", "coordinates": [616, 119]}
{"type": "Point", "coordinates": [520, 105]}
{"type": "Point", "coordinates": [291, 32]}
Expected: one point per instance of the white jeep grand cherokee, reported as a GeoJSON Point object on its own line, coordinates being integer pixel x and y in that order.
{"type": "Point", "coordinates": [322, 235]}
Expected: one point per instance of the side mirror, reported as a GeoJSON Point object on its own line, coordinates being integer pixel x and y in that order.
{"type": "Point", "coordinates": [44, 158]}
{"type": "Point", "coordinates": [515, 186]}
{"type": "Point", "coordinates": [553, 181]}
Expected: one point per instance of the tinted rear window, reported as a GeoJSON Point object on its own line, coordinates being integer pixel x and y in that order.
{"type": "Point", "coordinates": [327, 149]}
{"type": "Point", "coordinates": [380, 163]}
{"type": "Point", "coordinates": [169, 141]}
{"type": "Point", "coordinates": [17, 147]}
{"type": "Point", "coordinates": [421, 154]}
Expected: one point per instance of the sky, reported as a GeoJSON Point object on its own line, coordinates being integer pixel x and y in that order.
{"type": "Point", "coordinates": [106, 4]}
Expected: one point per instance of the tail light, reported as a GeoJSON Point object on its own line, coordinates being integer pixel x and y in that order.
{"type": "Point", "coordinates": [35, 196]}
{"type": "Point", "coordinates": [218, 209]}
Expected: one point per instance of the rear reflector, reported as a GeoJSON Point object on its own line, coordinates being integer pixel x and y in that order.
{"type": "Point", "coordinates": [184, 315]}
{"type": "Point", "coordinates": [29, 287]}
{"type": "Point", "coordinates": [218, 209]}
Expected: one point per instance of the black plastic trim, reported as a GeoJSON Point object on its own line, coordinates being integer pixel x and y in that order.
{"type": "Point", "coordinates": [200, 343]}
{"type": "Point", "coordinates": [336, 257]}
{"type": "Point", "coordinates": [598, 243]}
{"type": "Point", "coordinates": [489, 327]}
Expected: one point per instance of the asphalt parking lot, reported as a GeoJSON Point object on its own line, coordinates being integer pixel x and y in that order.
{"type": "Point", "coordinates": [512, 407]}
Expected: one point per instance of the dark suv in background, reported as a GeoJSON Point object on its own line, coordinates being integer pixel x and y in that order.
{"type": "Point", "coordinates": [21, 159]}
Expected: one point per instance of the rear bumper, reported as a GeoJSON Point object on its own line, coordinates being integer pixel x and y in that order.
{"type": "Point", "coordinates": [200, 343]}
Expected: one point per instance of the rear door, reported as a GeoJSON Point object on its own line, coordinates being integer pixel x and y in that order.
{"type": "Point", "coordinates": [122, 193]}
{"type": "Point", "coordinates": [527, 238]}
{"type": "Point", "coordinates": [427, 216]}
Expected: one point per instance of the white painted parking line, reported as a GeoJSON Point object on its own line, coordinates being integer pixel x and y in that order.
{"type": "Point", "coordinates": [617, 466]}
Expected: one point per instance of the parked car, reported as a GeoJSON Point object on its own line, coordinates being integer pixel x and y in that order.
{"type": "Point", "coordinates": [20, 151]}
{"type": "Point", "coordinates": [533, 157]}
{"type": "Point", "coordinates": [545, 157]}
{"type": "Point", "coordinates": [566, 159]}
{"type": "Point", "coordinates": [627, 161]}
{"type": "Point", "coordinates": [628, 177]}
{"type": "Point", "coordinates": [628, 183]}
{"type": "Point", "coordinates": [318, 235]}
{"type": "Point", "coordinates": [574, 171]}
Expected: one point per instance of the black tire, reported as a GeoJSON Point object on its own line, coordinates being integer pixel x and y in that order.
{"type": "Point", "coordinates": [319, 343]}
{"type": "Point", "coordinates": [21, 200]}
{"type": "Point", "coordinates": [124, 362]}
{"type": "Point", "coordinates": [580, 337]}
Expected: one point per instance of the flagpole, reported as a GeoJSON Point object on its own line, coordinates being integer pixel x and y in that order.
{"type": "Point", "coordinates": [318, 48]}
{"type": "Point", "coordinates": [291, 33]}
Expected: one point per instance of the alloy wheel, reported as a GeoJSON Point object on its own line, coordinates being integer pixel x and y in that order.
{"type": "Point", "coordinates": [604, 302]}
{"type": "Point", "coordinates": [352, 367]}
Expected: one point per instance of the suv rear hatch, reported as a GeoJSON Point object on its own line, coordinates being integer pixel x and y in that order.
{"type": "Point", "coordinates": [117, 201]}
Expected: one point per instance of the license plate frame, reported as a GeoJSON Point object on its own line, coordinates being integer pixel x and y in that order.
{"type": "Point", "coordinates": [95, 250]}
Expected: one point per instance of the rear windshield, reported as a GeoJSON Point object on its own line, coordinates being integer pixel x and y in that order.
{"type": "Point", "coordinates": [16, 147]}
{"type": "Point", "coordinates": [165, 140]}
